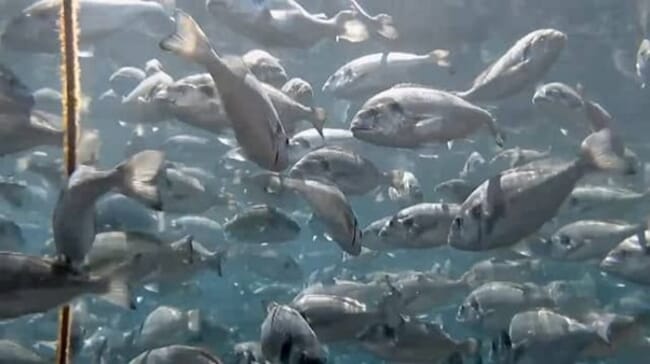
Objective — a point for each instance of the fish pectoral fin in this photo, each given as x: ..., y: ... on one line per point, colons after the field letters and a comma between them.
x: 429, y: 123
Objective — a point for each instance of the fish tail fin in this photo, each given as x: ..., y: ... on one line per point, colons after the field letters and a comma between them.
x: 386, y: 27
x: 88, y: 147
x: 319, y: 117
x: 188, y: 40
x: 194, y: 321
x: 440, y: 57
x: 604, y: 150
x: 117, y: 290
x: 350, y: 28
x: 138, y: 175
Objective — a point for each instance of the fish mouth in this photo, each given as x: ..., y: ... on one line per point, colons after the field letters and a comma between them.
x: 356, y: 127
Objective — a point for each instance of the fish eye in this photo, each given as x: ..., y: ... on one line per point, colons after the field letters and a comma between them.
x: 388, y: 331
x: 408, y: 222
x: 565, y: 240
x: 458, y: 222
x: 573, y: 201
x: 348, y: 73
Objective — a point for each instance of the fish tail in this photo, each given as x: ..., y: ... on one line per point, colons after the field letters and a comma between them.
x: 604, y: 150
x: 189, y: 40
x: 319, y: 117
x: 116, y: 290
x: 440, y: 57
x: 138, y: 175
x: 350, y: 28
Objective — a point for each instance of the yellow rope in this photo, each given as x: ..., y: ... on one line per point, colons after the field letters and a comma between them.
x: 70, y: 84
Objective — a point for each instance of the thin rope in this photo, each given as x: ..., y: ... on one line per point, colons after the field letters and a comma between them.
x: 70, y: 85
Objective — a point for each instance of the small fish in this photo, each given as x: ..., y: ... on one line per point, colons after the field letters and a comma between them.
x: 34, y: 285
x: 262, y: 224
x: 643, y: 63
x: 265, y: 67
x: 73, y: 220
x: 258, y: 128
x: 521, y: 66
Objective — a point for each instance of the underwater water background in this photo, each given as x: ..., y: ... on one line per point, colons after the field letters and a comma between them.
x: 603, y: 37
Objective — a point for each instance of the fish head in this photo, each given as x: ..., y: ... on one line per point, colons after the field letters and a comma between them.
x: 268, y: 69
x: 469, y: 311
x: 629, y: 260
x: 14, y: 95
x: 34, y: 30
x: 299, y: 90
x: 563, y: 246
x: 467, y: 228
x: 185, y: 95
x: 396, y: 228
x: 545, y: 45
x: 377, y: 119
x: 370, y: 237
x: 338, y: 81
x: 557, y: 95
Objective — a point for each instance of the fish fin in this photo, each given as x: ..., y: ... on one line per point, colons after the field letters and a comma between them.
x: 152, y: 287
x: 194, y: 321
x: 189, y: 40
x: 118, y: 291
x: 319, y: 117
x: 350, y: 28
x: 236, y: 154
x: 216, y: 259
x: 186, y: 246
x: 138, y: 175
x: 440, y: 57
x: 604, y: 150
x: 88, y: 147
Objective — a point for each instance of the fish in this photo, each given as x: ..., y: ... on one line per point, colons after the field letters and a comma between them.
x: 263, y: 261
x: 175, y: 354
x: 299, y: 90
x: 525, y: 63
x: 21, y: 132
x: 629, y: 259
x: 73, y: 218
x: 421, y: 226
x: 195, y: 101
x: 331, y: 207
x: 262, y: 224
x: 368, y: 75
x: 414, y: 341
x: 34, y: 285
x: 499, y: 212
x: 350, y: 172
x: 408, y: 116
x: 508, y: 270
x: 292, y: 27
x: 167, y: 325
x: 492, y: 306
x: 587, y: 240
x: 286, y: 337
x: 265, y: 67
x: 35, y: 30
x: 258, y: 129
x: 15, y: 96
x: 126, y: 79
x: 179, y: 192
